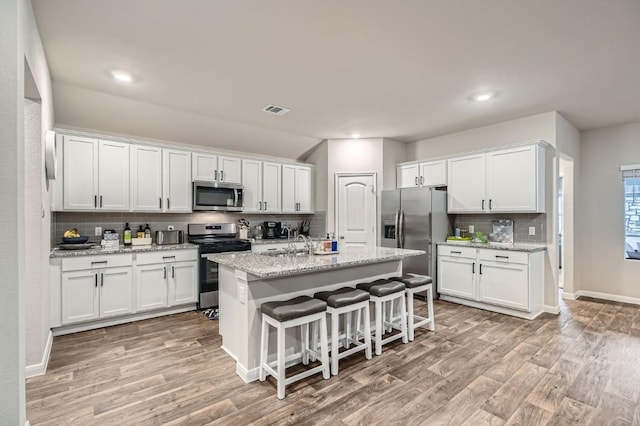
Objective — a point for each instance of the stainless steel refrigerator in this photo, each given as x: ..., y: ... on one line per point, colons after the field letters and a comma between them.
x: 415, y: 218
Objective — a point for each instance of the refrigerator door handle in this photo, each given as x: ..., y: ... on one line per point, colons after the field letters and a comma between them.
x: 402, y: 229
x: 397, y: 223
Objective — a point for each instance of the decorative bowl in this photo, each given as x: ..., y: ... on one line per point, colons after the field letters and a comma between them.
x: 75, y: 240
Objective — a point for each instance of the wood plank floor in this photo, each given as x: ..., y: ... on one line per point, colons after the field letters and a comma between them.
x: 580, y: 367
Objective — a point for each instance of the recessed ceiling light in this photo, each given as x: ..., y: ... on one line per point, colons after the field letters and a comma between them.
x: 355, y: 135
x: 483, y: 96
x: 122, y: 76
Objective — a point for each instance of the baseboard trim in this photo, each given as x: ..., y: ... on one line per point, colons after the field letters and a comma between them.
x: 608, y: 296
x: 551, y: 309
x: 41, y: 368
x: 570, y: 296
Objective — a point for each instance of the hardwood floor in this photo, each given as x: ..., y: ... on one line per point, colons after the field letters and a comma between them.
x: 580, y: 367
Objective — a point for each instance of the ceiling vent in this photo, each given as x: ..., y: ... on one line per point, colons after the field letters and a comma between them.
x: 275, y: 109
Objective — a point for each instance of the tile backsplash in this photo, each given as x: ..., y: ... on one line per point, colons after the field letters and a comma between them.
x: 521, y: 224
x: 86, y: 222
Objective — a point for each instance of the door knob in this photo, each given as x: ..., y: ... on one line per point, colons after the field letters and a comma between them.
x: 342, y: 237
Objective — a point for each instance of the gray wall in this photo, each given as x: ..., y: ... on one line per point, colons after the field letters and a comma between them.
x: 599, y: 259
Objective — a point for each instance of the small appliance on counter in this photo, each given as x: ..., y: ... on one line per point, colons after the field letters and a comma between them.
x: 169, y: 237
x: 502, y: 232
x: 305, y: 226
x: 272, y: 230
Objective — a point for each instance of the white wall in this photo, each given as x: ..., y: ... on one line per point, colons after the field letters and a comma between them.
x: 320, y: 157
x: 599, y: 242
x: 393, y: 152
x: 19, y: 41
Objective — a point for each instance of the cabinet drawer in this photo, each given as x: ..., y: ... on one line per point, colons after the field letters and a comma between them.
x: 166, y: 256
x: 455, y: 251
x: 504, y: 256
x: 96, y: 262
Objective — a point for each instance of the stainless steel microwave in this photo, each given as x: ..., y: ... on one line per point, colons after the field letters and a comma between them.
x: 217, y: 196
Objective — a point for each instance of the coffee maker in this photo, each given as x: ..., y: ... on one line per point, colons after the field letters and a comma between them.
x: 272, y: 230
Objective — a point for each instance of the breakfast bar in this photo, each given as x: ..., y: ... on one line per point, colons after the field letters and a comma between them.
x: 247, y: 280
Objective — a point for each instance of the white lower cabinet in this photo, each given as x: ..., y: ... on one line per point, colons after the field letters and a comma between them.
x: 504, y: 281
x: 96, y: 293
x: 92, y: 288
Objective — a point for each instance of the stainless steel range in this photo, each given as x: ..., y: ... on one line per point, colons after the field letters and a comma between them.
x: 213, y: 238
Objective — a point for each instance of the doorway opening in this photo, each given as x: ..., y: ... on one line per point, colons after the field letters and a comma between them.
x: 565, y: 224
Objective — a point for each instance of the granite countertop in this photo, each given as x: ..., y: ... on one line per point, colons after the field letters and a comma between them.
x: 279, y: 241
x: 270, y: 266
x: 97, y: 249
x: 530, y: 248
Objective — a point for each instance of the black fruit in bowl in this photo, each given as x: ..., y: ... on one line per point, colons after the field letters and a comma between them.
x: 75, y: 240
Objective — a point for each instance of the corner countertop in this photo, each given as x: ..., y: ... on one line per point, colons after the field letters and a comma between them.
x: 98, y: 250
x: 258, y: 242
x: 270, y: 266
x: 529, y: 248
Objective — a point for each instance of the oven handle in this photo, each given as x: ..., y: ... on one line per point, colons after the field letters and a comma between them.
x: 235, y: 198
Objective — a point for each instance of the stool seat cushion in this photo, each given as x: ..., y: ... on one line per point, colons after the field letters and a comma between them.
x: 344, y: 296
x: 382, y: 287
x: 413, y: 280
x: 297, y: 307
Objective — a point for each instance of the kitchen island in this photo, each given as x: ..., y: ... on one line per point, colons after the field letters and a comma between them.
x: 247, y: 280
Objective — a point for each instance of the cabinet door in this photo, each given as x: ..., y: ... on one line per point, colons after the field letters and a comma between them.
x: 151, y: 287
x: 146, y: 178
x: 80, y: 173
x: 116, y: 291
x: 183, y: 283
x: 271, y: 187
x: 176, y: 187
x: 303, y: 189
x: 230, y: 169
x: 252, y: 182
x: 204, y: 167
x: 113, y: 175
x: 456, y: 277
x: 505, y: 284
x: 407, y: 176
x: 433, y: 173
x: 289, y: 189
x: 79, y: 296
x: 466, y: 184
x: 512, y: 180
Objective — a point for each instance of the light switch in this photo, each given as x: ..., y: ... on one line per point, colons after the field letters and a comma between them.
x: 532, y: 230
x: 472, y: 229
x: 98, y: 231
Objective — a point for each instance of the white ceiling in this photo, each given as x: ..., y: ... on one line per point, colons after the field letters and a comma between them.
x: 399, y: 69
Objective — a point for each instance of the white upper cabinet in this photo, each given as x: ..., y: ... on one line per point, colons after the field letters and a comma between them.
x: 95, y: 174
x: 214, y: 168
x: 296, y: 189
x: 503, y: 181
x: 262, y: 186
x: 431, y: 173
x: 176, y: 185
x: 146, y: 178
x: 515, y: 180
x: 466, y: 184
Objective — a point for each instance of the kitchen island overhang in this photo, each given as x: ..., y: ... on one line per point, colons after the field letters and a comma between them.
x: 247, y: 280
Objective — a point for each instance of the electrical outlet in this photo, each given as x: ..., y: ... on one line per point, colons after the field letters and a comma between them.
x: 532, y: 230
x: 98, y: 231
x: 241, y: 295
x: 171, y: 228
x: 472, y: 229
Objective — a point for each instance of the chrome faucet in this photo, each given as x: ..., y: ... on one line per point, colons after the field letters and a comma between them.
x: 308, y: 242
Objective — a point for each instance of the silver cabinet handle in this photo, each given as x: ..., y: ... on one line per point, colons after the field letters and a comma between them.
x: 164, y: 268
x: 160, y: 201
x: 481, y: 269
x: 168, y: 204
x: 473, y: 268
x: 259, y: 205
x: 416, y: 180
x: 455, y: 252
x: 215, y: 175
x: 490, y: 204
x: 421, y: 180
x: 101, y: 280
x: 482, y: 205
x: 168, y: 257
x: 173, y: 272
x: 95, y: 201
x: 101, y: 201
x: 96, y: 276
x: 96, y: 262
x: 502, y: 257
x: 221, y: 175
x: 265, y: 206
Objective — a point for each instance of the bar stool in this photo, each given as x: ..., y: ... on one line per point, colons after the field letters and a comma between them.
x: 382, y: 292
x: 297, y: 312
x: 350, y: 302
x: 415, y: 283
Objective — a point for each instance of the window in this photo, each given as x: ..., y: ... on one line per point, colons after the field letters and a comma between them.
x: 631, y: 183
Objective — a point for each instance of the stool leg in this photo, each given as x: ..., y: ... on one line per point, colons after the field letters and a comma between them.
x: 410, y: 318
x: 367, y: 331
x: 324, y: 348
x: 432, y: 325
x: 403, y: 318
x: 379, y: 319
x: 314, y: 340
x: 281, y: 361
x: 264, y: 349
x: 357, y: 329
x: 335, y: 321
x: 304, y: 331
x: 347, y: 328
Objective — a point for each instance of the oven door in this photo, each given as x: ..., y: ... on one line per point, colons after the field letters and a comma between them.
x: 209, y: 295
x: 216, y: 196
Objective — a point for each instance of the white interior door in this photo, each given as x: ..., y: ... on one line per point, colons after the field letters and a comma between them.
x: 356, y: 210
